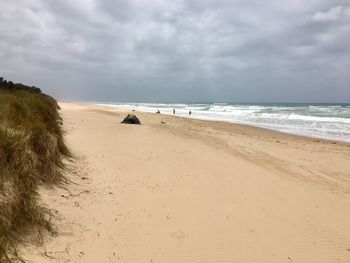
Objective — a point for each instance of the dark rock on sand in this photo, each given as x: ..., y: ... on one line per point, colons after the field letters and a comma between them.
x: 131, y: 119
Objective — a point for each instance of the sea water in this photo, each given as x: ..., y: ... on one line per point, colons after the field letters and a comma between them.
x: 327, y: 121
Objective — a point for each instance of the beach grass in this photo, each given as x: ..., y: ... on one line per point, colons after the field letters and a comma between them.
x: 32, y: 152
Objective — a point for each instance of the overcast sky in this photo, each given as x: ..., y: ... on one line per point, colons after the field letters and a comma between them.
x: 190, y: 50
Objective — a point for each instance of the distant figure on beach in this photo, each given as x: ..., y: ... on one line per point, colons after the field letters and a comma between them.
x: 189, y: 113
x: 158, y: 111
x: 173, y: 111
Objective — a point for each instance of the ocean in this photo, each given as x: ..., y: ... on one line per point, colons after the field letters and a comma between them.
x: 327, y: 121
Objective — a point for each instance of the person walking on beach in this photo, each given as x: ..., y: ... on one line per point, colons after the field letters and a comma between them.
x: 174, y: 111
x: 189, y: 113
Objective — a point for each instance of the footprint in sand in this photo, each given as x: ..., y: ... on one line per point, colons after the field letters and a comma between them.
x: 178, y: 235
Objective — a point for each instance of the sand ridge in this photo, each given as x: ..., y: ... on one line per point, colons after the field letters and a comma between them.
x: 184, y: 190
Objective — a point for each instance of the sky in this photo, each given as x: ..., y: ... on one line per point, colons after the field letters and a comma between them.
x: 179, y: 50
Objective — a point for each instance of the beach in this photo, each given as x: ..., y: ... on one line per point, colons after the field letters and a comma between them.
x: 183, y: 190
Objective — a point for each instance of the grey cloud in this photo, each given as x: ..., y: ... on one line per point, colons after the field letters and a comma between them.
x: 333, y: 14
x: 179, y: 50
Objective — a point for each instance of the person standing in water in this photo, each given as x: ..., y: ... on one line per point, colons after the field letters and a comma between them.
x: 189, y: 113
x: 173, y: 111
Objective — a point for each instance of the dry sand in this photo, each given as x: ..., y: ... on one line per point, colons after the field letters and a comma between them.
x: 196, y: 191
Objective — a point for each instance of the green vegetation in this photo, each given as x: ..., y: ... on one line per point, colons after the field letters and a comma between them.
x: 32, y: 152
x: 131, y: 119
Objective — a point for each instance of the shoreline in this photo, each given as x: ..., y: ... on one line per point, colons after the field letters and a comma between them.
x: 183, y: 190
x: 106, y: 107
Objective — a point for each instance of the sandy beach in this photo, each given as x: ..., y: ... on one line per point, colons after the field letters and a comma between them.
x: 183, y: 190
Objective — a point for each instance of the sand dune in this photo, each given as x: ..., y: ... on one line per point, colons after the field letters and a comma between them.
x: 196, y: 191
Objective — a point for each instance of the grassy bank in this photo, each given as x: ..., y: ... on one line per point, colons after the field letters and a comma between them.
x: 32, y: 152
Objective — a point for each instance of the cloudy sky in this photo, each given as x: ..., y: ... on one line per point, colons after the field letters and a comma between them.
x: 179, y: 50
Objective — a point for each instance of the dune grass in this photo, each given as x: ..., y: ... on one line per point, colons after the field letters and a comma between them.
x: 32, y: 152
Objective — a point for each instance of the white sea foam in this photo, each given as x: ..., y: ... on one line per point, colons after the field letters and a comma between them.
x: 328, y: 121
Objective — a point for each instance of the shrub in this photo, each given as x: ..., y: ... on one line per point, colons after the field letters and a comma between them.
x: 32, y: 151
